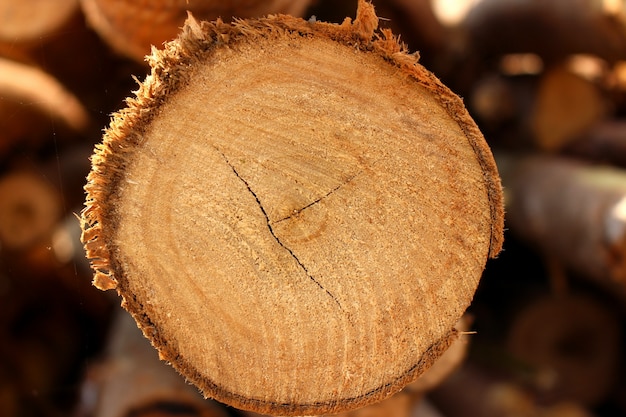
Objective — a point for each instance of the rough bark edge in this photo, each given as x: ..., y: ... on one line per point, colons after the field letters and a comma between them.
x: 170, y: 71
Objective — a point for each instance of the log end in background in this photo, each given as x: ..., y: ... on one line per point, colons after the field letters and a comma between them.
x: 131, y: 28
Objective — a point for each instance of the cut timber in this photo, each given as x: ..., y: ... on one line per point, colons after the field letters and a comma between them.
x: 573, y: 338
x: 29, y: 210
x: 472, y: 392
x: 34, y: 88
x: 30, y: 28
x: 33, y: 20
x: 131, y: 381
x: 603, y: 143
x: 572, y: 211
x: 497, y: 27
x: 73, y: 55
x: 296, y: 213
x: 567, y: 105
x: 446, y: 364
x: 404, y: 403
x: 33, y: 104
x: 131, y: 26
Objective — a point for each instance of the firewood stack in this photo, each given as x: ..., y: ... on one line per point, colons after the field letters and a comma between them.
x: 543, y: 335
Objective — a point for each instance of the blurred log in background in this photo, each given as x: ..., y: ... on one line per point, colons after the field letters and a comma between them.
x: 545, y: 81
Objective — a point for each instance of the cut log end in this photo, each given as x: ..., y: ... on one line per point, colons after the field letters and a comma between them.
x: 131, y: 28
x: 29, y: 209
x: 29, y: 21
x: 295, y: 215
x: 573, y: 339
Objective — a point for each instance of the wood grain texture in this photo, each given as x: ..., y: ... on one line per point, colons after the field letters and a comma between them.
x: 296, y: 213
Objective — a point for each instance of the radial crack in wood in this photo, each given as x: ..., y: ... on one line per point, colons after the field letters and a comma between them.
x: 269, y: 226
x: 263, y: 156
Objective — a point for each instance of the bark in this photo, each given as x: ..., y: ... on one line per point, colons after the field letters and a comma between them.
x: 417, y: 23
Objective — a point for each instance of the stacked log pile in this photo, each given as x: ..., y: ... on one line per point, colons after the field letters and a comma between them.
x: 545, y: 82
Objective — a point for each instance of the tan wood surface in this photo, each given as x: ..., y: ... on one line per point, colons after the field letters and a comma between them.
x: 296, y: 213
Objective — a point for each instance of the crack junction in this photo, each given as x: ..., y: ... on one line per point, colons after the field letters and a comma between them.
x: 271, y: 230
